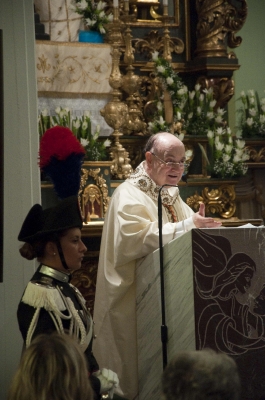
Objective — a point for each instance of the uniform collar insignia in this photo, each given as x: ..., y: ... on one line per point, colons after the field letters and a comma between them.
x: 53, y: 273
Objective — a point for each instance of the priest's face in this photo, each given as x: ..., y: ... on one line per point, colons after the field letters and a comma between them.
x: 164, y: 162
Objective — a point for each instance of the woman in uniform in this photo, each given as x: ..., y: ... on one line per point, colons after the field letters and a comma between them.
x: 50, y: 302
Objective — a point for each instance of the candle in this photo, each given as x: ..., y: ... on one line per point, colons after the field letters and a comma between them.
x: 165, y: 2
x: 116, y: 3
x: 126, y: 6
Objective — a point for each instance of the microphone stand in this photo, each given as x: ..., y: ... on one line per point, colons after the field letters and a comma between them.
x: 164, y: 335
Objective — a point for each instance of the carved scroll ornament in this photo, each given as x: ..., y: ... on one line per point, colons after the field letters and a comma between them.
x: 154, y: 42
x: 256, y: 154
x: 219, y: 201
x: 223, y: 89
x: 218, y: 22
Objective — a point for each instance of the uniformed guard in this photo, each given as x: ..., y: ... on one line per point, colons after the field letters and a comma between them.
x: 50, y: 302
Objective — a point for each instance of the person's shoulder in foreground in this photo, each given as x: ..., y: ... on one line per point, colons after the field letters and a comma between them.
x: 201, y: 375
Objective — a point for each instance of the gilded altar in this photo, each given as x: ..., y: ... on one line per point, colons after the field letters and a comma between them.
x: 116, y: 81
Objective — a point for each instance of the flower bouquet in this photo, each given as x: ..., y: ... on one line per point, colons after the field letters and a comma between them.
x: 171, y: 82
x: 198, y: 113
x: 252, y: 115
x: 227, y: 154
x: 96, y: 150
x: 193, y: 111
x: 94, y: 14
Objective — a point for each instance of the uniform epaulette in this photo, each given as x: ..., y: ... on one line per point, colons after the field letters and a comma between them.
x: 45, y: 281
x: 38, y: 294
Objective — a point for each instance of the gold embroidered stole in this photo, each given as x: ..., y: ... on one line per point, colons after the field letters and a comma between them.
x: 172, y: 212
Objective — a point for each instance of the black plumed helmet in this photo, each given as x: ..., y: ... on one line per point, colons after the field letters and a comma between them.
x: 39, y: 223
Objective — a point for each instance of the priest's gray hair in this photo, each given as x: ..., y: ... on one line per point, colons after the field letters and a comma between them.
x: 151, y: 143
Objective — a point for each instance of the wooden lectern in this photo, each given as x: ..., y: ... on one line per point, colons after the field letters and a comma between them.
x: 214, y: 297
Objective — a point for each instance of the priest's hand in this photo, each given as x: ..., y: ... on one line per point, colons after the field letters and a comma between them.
x: 200, y: 221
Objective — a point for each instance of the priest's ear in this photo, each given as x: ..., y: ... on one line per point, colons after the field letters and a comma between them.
x: 148, y: 157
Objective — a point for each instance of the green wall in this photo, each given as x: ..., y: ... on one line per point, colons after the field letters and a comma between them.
x: 251, y: 57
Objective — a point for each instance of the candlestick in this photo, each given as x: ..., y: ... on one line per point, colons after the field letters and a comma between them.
x: 116, y: 3
x: 165, y: 12
x: 126, y: 6
x: 165, y: 2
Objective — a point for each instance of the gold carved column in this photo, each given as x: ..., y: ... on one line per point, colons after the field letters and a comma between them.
x: 217, y: 26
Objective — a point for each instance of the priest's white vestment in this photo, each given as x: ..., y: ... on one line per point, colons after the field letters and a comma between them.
x: 130, y: 232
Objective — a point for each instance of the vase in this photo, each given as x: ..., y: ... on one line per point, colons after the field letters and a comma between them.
x: 88, y: 36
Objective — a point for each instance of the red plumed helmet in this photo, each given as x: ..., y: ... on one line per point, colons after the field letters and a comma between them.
x: 60, y: 158
x: 58, y: 142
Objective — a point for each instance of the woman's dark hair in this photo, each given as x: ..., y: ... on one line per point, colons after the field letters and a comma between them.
x: 37, y: 249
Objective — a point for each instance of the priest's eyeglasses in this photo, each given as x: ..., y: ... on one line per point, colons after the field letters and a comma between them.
x: 170, y: 164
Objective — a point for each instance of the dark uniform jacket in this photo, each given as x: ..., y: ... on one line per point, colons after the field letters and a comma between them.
x: 50, y: 303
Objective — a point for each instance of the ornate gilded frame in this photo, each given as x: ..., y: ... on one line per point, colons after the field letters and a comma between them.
x: 94, y: 176
x: 156, y: 23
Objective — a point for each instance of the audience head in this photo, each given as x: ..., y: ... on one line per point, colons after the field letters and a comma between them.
x: 161, y: 149
x: 201, y: 375
x: 53, y: 367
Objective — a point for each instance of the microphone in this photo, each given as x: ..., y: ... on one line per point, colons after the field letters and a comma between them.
x: 164, y: 335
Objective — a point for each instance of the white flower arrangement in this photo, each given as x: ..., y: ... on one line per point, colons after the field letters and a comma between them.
x: 96, y: 150
x: 195, y: 113
x: 252, y: 114
x: 193, y: 109
x: 228, y: 154
x: 171, y: 82
x: 93, y: 13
